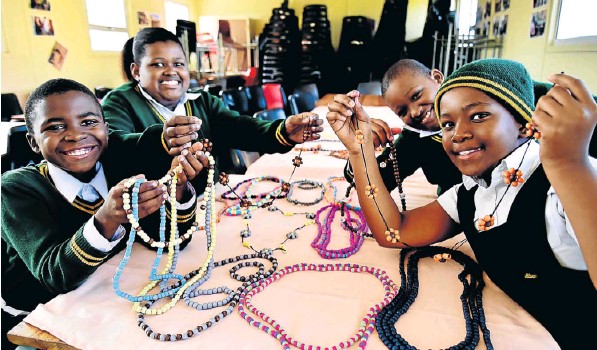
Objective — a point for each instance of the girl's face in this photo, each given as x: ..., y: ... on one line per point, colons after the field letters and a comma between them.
x: 163, y: 72
x: 411, y: 97
x: 478, y: 132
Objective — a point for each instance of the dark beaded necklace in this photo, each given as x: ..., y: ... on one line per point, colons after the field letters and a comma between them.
x: 471, y: 297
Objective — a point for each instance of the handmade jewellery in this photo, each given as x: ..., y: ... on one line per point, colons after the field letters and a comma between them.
x: 305, y: 185
x: 356, y: 226
x: 471, y: 297
x: 260, y: 320
x: 392, y: 235
x: 512, y: 177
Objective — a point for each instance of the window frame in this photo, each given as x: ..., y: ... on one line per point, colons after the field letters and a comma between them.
x: 109, y: 29
x: 577, y: 44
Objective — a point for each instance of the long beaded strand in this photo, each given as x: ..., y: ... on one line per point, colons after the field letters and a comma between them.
x: 260, y: 320
x: 471, y: 297
x: 355, y: 226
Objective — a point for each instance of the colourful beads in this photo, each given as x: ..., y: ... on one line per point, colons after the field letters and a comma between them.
x: 359, y: 136
x: 513, y: 177
x: 485, y: 222
x: 531, y: 131
x: 260, y: 320
x: 371, y: 191
x: 392, y: 235
x: 355, y: 226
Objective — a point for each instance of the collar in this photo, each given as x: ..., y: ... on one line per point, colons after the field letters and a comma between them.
x: 422, y: 133
x: 69, y: 187
x: 530, y: 162
x: 164, y: 111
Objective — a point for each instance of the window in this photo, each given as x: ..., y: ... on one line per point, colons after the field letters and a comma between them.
x: 173, y: 12
x: 107, y: 24
x: 576, y: 22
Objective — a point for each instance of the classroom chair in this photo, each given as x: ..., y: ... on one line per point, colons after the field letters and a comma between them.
x: 270, y: 114
x: 18, y: 151
x: 370, y: 88
x: 256, y: 99
x: 236, y: 100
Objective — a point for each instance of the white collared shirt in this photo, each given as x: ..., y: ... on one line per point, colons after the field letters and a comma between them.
x: 560, y: 234
x: 422, y: 133
x: 166, y: 112
x: 69, y: 187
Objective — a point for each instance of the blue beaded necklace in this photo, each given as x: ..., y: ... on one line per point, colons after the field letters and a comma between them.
x: 471, y: 297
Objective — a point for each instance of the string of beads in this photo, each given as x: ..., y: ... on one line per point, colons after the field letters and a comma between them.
x: 260, y: 320
x: 471, y: 298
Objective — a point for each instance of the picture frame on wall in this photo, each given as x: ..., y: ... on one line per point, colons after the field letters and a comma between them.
x: 42, y: 26
x: 40, y: 5
x: 539, y: 3
x: 538, y: 21
x: 58, y: 55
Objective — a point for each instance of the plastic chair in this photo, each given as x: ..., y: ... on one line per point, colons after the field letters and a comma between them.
x: 256, y: 99
x: 370, y: 88
x: 301, y: 102
x: 308, y: 88
x: 270, y: 114
x: 235, y: 81
x: 236, y: 100
x: 18, y: 151
x: 274, y: 96
x: 215, y: 90
x: 101, y: 92
x: 10, y: 106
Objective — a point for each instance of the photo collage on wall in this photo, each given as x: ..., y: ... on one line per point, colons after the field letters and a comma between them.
x: 42, y: 25
x: 500, y: 19
x: 538, y: 18
x: 146, y: 20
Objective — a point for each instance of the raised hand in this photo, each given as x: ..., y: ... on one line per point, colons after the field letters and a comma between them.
x: 566, y: 117
x: 297, y: 124
x: 346, y: 114
x: 180, y: 132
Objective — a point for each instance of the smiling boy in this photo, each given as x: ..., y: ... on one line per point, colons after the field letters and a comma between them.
x: 64, y: 217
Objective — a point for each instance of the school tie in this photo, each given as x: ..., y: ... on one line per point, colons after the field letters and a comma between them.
x: 88, y: 193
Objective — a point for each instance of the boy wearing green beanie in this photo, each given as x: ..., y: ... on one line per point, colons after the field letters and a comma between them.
x: 534, y: 199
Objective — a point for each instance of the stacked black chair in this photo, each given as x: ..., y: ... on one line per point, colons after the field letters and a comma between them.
x: 18, y: 151
x: 354, y: 51
x: 215, y: 90
x: 236, y: 100
x: 10, y: 106
x: 310, y: 89
x: 279, y: 45
x: 370, y: 87
x: 387, y: 46
x: 317, y: 50
x: 256, y: 99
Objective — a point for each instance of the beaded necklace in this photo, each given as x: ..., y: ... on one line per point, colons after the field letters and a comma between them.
x: 305, y: 185
x: 356, y: 227
x: 471, y: 297
x: 260, y: 320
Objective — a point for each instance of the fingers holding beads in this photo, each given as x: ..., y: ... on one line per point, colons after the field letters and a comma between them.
x: 180, y: 132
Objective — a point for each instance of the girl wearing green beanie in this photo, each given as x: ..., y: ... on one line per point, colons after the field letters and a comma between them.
x: 526, y: 208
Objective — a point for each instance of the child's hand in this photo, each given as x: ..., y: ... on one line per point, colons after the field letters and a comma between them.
x: 382, y: 133
x: 566, y: 117
x: 191, y: 161
x: 296, y: 124
x: 180, y: 132
x: 112, y: 214
x: 342, y: 121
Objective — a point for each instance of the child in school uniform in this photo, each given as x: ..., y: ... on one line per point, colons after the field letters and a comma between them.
x: 526, y: 207
x: 409, y: 88
x: 64, y: 217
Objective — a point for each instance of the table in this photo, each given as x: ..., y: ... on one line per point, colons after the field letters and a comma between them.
x: 316, y: 308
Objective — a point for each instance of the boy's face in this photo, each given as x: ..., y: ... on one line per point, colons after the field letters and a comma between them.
x: 478, y: 132
x: 411, y: 96
x: 69, y: 132
x: 163, y: 72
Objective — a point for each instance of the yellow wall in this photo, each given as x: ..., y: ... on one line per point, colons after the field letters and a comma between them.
x: 25, y: 56
x: 541, y: 57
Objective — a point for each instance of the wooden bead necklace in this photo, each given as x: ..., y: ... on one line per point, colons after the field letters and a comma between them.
x: 471, y: 297
x: 260, y: 320
x: 512, y: 177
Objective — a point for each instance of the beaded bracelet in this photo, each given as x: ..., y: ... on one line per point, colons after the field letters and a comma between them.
x: 260, y: 320
x: 305, y: 185
x: 471, y: 297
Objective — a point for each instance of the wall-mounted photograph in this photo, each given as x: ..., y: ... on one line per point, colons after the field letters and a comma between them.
x: 142, y: 18
x: 42, y: 26
x: 538, y: 20
x: 57, y: 56
x: 505, y: 4
x: 537, y: 3
x: 40, y: 5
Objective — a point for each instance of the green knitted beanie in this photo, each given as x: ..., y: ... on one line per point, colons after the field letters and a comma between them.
x: 508, y: 82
